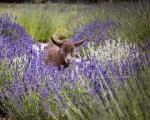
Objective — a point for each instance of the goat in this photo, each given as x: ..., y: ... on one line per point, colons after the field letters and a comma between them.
x: 60, y: 53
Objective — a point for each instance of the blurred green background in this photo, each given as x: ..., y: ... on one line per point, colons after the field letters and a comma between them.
x: 44, y: 18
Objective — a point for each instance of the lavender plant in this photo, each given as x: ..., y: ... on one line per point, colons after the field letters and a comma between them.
x: 14, y: 40
x: 95, y: 87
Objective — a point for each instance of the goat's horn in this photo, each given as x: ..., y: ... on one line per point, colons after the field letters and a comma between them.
x: 76, y: 44
x: 56, y: 42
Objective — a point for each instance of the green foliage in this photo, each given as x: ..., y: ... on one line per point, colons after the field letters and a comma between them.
x: 37, y: 23
x: 42, y: 21
x: 61, y: 20
x: 5, y: 73
x: 134, y: 26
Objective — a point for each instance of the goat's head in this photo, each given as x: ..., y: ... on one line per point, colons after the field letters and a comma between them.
x: 67, y: 48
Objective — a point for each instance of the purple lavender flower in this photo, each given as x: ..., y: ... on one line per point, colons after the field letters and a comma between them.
x: 96, y: 32
x: 14, y: 41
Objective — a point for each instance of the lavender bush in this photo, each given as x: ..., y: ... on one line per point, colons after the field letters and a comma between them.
x: 100, y: 85
x: 14, y: 40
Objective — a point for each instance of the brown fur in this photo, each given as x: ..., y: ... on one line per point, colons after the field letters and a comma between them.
x: 56, y: 53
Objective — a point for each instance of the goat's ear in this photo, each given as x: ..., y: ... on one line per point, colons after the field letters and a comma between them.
x: 56, y: 42
x: 76, y: 44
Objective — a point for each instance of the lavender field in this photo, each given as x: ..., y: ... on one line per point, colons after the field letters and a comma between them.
x: 109, y: 80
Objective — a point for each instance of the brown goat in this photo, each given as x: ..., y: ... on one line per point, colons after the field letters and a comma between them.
x: 60, y: 53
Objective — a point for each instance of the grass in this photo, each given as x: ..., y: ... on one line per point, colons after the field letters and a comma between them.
x: 61, y: 20
x: 37, y: 23
x: 134, y: 24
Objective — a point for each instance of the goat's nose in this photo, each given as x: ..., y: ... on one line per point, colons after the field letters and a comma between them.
x: 68, y: 60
